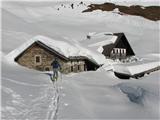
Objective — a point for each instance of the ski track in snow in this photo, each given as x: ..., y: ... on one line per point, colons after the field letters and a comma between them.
x: 19, y: 108
x: 22, y: 83
x: 53, y: 107
x: 32, y: 110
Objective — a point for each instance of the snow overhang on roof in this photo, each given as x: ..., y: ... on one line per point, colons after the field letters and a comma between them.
x: 63, y: 48
x: 103, y: 38
x: 136, y: 68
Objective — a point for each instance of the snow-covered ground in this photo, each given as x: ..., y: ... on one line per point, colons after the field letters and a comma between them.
x: 100, y: 95
x: 29, y: 94
x: 26, y: 94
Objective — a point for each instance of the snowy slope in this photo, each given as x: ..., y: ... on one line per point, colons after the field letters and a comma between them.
x: 63, y: 22
x: 99, y: 95
x: 28, y: 94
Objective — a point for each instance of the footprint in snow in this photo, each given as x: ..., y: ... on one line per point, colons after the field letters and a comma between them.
x: 65, y: 104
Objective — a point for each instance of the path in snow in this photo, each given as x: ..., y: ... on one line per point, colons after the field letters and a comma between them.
x: 27, y: 94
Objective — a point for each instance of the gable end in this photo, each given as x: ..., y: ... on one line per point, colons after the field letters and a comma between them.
x: 121, y: 42
x: 43, y: 46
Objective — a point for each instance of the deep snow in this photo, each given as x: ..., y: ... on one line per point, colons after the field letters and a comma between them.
x: 100, y: 95
x: 26, y: 94
x: 29, y: 94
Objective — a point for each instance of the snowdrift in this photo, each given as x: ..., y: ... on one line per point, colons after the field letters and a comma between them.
x: 148, y: 63
x: 103, y: 96
x: 26, y: 94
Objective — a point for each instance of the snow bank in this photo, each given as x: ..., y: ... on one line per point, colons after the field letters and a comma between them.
x: 146, y: 64
x: 152, y: 56
x: 107, y: 97
x: 74, y: 24
x: 62, y: 47
x: 26, y: 94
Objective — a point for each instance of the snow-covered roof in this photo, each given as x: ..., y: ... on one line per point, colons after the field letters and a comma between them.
x: 98, y: 40
x: 106, y: 40
x: 103, y: 38
x: 137, y: 67
x: 61, y: 47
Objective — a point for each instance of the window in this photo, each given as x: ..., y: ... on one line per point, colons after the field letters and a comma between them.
x: 71, y: 68
x: 122, y: 51
x: 78, y: 67
x: 37, y: 59
x: 72, y: 62
x: 112, y: 52
x: 47, y: 69
x: 115, y: 50
x: 118, y: 50
x: 85, y: 67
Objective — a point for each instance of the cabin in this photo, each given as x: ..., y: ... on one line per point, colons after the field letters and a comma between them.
x: 120, y: 49
x: 39, y: 55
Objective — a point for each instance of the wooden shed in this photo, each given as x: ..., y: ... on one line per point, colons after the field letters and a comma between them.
x: 39, y: 56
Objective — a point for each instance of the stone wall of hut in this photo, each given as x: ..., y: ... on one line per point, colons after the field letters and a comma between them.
x: 74, y: 66
x: 28, y: 57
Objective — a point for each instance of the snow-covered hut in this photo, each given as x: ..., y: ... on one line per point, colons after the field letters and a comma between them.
x: 39, y: 52
x: 112, y: 45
